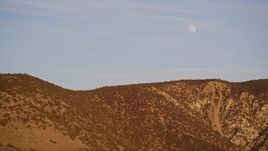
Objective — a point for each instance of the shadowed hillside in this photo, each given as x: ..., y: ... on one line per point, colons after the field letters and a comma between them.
x: 178, y: 115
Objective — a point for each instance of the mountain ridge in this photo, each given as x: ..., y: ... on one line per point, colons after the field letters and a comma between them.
x: 175, y: 115
x: 142, y: 83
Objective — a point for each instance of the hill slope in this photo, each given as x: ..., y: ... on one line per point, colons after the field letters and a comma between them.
x: 177, y: 115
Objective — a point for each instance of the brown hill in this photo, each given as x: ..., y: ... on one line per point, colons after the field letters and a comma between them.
x: 179, y: 115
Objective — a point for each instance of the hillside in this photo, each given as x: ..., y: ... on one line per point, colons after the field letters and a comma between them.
x: 178, y: 115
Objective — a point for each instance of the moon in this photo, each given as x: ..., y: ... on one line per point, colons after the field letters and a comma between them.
x: 192, y: 28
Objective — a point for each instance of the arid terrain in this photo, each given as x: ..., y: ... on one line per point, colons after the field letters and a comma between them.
x: 184, y: 115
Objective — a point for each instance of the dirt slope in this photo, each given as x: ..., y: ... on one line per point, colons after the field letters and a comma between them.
x: 178, y: 115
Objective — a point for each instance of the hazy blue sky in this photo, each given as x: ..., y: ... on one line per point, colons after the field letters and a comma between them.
x: 82, y: 44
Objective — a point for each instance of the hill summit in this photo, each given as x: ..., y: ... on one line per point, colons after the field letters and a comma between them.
x: 178, y: 115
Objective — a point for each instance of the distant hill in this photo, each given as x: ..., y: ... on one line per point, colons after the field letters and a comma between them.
x: 186, y: 115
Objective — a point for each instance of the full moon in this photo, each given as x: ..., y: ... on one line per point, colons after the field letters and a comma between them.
x: 192, y: 28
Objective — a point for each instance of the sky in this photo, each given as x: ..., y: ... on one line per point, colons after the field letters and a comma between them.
x: 86, y: 44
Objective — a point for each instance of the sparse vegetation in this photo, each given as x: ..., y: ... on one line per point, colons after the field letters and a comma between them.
x: 176, y: 115
x: 52, y: 141
x: 3, y: 122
